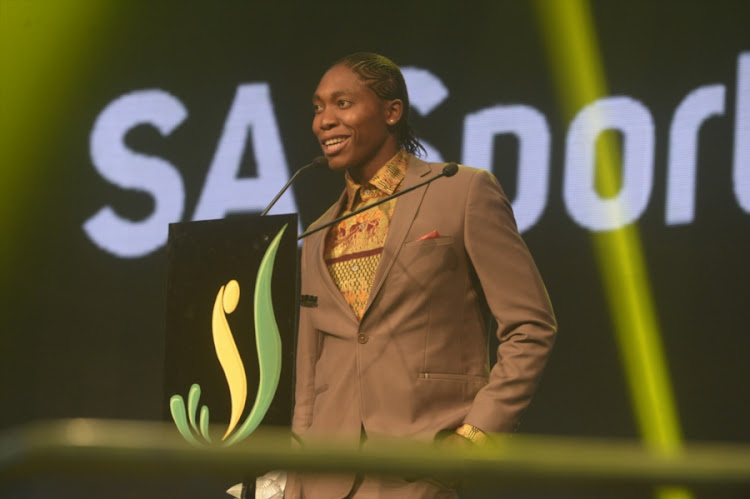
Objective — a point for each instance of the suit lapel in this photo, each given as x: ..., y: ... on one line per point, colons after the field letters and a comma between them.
x: 317, y: 247
x: 403, y: 216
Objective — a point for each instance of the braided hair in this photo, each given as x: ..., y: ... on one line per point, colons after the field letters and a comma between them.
x: 384, y: 78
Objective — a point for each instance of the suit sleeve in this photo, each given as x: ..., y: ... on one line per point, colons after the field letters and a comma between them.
x: 517, y: 299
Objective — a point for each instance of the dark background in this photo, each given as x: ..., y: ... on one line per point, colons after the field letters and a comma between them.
x: 82, y: 330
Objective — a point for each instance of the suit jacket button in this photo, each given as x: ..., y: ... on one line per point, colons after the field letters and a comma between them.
x: 362, y: 338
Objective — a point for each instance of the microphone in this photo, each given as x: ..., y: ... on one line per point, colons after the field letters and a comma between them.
x: 448, y: 171
x: 318, y: 163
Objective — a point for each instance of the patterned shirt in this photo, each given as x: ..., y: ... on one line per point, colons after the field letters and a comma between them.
x: 353, y: 246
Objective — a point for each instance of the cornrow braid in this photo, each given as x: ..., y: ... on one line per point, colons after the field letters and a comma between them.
x: 384, y: 78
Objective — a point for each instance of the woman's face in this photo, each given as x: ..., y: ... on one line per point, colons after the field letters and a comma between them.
x: 351, y: 123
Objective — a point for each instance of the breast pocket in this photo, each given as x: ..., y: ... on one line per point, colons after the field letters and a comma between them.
x: 426, y: 243
x: 423, y: 261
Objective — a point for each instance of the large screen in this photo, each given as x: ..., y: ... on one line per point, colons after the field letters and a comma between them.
x: 122, y: 117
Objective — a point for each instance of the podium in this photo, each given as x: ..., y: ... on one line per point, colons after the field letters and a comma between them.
x: 231, y: 317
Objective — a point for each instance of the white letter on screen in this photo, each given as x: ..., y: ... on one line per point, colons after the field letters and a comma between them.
x: 699, y: 105
x: 741, y: 173
x: 224, y: 192
x: 132, y: 170
x: 584, y: 203
x: 530, y: 127
x: 426, y: 92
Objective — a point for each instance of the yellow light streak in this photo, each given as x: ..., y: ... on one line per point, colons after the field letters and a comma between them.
x: 576, y: 63
x: 44, y: 47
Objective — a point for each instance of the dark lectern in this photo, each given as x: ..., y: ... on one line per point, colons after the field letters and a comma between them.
x: 231, y: 315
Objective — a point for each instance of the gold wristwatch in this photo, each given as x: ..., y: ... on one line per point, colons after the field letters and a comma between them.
x: 472, y: 433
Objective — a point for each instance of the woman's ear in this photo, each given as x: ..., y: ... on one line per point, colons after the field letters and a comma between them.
x: 394, y: 110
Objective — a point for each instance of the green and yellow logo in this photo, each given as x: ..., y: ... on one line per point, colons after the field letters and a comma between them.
x: 268, y: 342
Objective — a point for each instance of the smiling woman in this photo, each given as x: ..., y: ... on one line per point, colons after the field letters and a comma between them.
x: 362, y: 114
x: 398, y: 328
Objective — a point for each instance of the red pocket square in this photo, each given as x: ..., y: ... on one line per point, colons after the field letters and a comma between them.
x: 432, y: 235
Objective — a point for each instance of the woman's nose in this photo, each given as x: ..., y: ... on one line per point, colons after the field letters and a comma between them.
x: 326, y: 119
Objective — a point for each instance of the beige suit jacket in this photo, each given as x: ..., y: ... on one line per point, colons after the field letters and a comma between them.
x: 417, y: 363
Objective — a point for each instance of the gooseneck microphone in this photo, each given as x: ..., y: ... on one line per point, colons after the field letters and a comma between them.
x: 448, y: 171
x: 318, y: 163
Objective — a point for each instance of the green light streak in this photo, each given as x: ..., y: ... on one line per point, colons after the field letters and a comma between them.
x: 577, y: 65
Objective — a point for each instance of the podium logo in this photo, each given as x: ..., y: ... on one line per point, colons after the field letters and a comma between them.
x: 268, y: 343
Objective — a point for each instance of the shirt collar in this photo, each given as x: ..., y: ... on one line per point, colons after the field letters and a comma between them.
x: 386, y: 180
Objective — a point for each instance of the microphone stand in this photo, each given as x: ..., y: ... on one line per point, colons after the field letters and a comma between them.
x: 319, y: 162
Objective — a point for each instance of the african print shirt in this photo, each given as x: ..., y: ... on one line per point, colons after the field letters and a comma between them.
x: 353, y: 246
